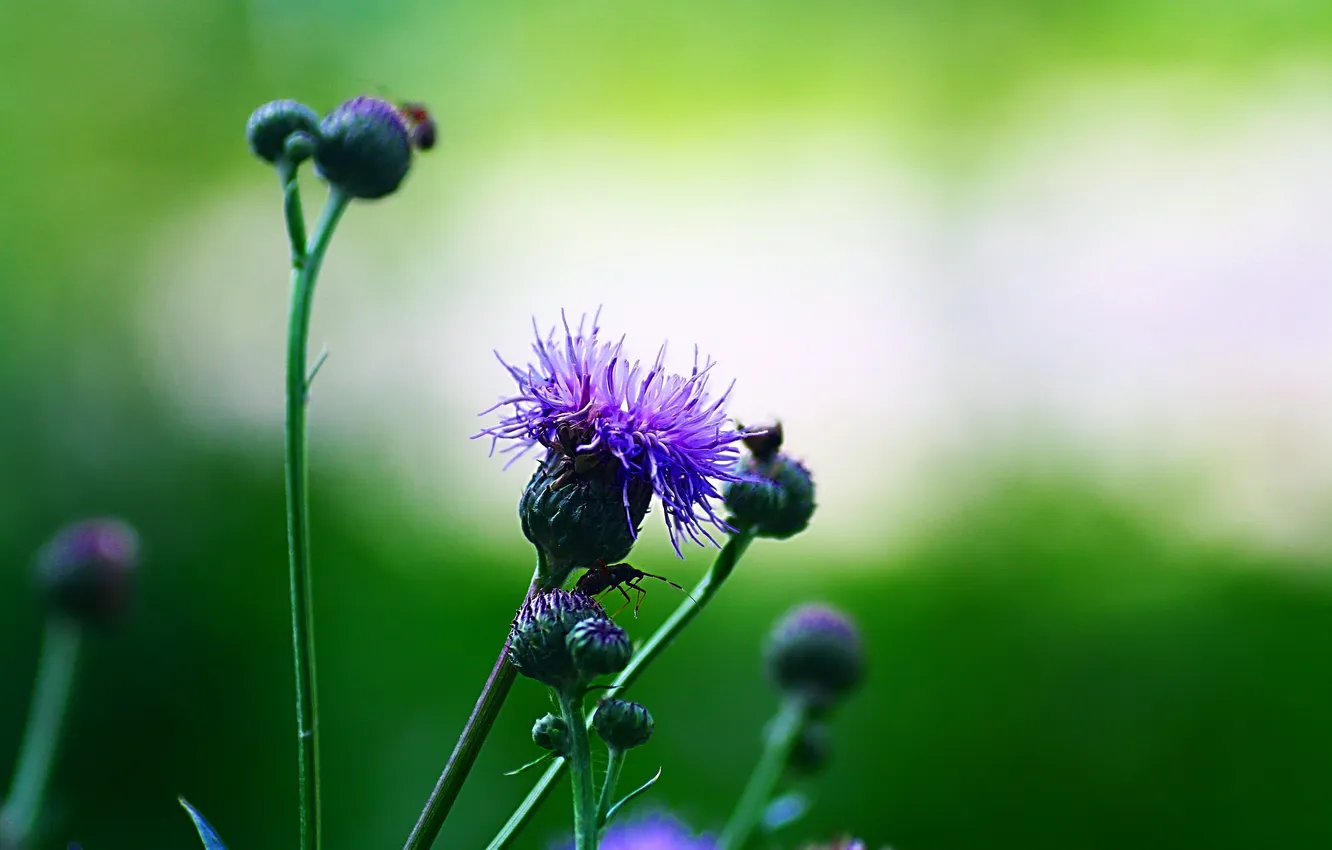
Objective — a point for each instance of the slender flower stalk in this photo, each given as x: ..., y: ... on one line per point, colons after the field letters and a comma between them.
x: 37, y: 752
x: 304, y: 274
x: 580, y: 761
x: 780, y: 741
x: 706, y: 589
x: 464, y: 754
x: 614, y: 763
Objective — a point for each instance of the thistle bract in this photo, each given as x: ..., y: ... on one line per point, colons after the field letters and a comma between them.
x: 538, y: 644
x: 621, y: 426
x: 87, y: 570
x: 363, y: 148
x: 814, y: 653
x: 271, y: 125
x: 599, y: 647
x: 773, y: 493
x: 550, y: 733
x: 623, y: 725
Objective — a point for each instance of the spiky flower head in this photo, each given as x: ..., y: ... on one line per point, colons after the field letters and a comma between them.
x: 551, y: 733
x: 619, y: 423
x: 814, y: 653
x: 654, y: 832
x: 622, y: 724
x: 773, y: 493
x: 538, y: 643
x: 599, y: 647
x: 364, y: 148
x: 86, y: 572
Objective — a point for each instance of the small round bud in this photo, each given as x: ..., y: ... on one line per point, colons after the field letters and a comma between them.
x: 299, y: 147
x: 813, y: 748
x: 273, y: 123
x: 814, y: 653
x: 538, y: 644
x: 623, y: 725
x: 599, y: 648
x: 550, y: 733
x: 775, y: 493
x: 364, y: 149
x: 576, y: 513
x: 86, y: 572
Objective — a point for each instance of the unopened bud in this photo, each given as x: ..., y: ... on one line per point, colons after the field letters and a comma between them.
x: 271, y: 125
x: 623, y: 725
x: 364, y: 148
x: 86, y: 572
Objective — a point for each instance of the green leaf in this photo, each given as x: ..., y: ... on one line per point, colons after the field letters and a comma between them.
x: 533, y: 763
x: 610, y: 815
x: 207, y: 834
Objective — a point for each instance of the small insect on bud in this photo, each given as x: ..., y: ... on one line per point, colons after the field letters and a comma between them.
x: 364, y: 148
x: 814, y: 653
x: 538, y: 644
x: 550, y: 733
x: 86, y: 572
x: 775, y: 492
x: 813, y: 748
x: 599, y: 648
x: 623, y: 725
x: 577, y: 516
x: 423, y: 129
x: 273, y: 123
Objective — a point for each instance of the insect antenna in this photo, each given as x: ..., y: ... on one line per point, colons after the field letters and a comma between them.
x: 672, y: 584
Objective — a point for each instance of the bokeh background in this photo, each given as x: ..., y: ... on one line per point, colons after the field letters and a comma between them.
x: 1042, y: 291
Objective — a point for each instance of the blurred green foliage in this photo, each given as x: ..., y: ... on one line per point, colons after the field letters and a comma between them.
x: 1051, y: 668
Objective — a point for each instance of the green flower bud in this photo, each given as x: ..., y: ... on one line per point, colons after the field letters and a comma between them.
x: 538, y: 644
x: 623, y: 725
x: 86, y: 572
x: 599, y: 648
x: 273, y: 123
x: 775, y: 493
x: 299, y: 147
x: 814, y: 653
x: 576, y: 514
x: 813, y: 748
x: 551, y: 733
x: 364, y: 148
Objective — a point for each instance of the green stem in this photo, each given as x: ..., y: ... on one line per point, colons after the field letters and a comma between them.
x: 781, y: 738
x: 580, y: 762
x: 291, y: 210
x: 706, y: 589
x: 469, y: 744
x: 50, y: 695
x: 304, y: 273
x: 614, y: 762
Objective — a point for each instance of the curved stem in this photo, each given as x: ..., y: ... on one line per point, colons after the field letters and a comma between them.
x: 781, y: 738
x: 706, y: 589
x: 580, y: 770
x: 464, y: 754
x: 304, y: 273
x: 50, y: 695
x: 614, y: 762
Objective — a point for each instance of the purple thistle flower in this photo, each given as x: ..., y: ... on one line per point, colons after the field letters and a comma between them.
x: 654, y: 832
x: 585, y: 400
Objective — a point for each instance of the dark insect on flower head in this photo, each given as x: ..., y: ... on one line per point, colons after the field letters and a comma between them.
x: 602, y: 417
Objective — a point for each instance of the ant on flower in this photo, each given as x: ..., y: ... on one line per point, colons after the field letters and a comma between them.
x: 602, y: 577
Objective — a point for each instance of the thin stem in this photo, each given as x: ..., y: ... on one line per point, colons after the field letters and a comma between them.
x: 781, y: 738
x: 291, y: 210
x: 469, y: 744
x: 614, y: 763
x: 706, y: 589
x: 580, y: 762
x: 305, y: 271
x: 37, y: 751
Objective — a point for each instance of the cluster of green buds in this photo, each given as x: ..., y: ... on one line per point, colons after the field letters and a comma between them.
x: 363, y: 147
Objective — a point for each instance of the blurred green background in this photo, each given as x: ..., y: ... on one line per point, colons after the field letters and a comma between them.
x: 1039, y: 288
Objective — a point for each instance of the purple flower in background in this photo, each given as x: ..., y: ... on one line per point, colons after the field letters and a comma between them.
x: 654, y: 832
x: 584, y: 400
